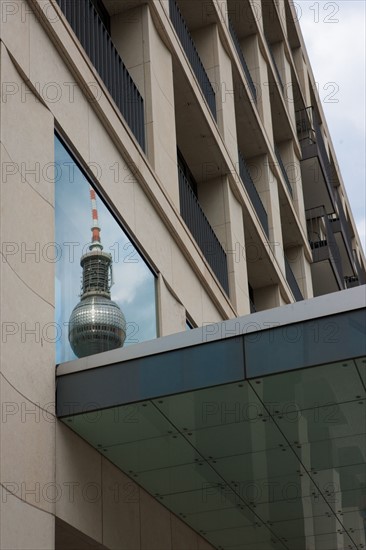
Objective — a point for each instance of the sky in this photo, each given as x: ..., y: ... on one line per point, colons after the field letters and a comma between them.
x: 334, y: 34
x: 134, y: 283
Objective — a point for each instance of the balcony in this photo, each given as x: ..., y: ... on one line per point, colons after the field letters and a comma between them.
x: 192, y: 54
x: 279, y: 79
x: 97, y: 43
x: 202, y: 231
x: 351, y: 281
x: 361, y: 274
x: 244, y: 65
x: 342, y: 233
x: 283, y: 170
x: 291, y: 279
x: 253, y: 309
x: 316, y: 168
x: 253, y: 193
x: 327, y: 271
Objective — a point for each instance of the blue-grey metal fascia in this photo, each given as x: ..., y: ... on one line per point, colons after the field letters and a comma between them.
x: 168, y: 373
x: 302, y: 345
x: 321, y: 330
x: 310, y: 309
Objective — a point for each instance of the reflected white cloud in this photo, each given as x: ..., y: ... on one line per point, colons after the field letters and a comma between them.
x: 134, y: 283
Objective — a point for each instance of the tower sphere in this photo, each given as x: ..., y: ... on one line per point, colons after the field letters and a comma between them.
x: 96, y: 323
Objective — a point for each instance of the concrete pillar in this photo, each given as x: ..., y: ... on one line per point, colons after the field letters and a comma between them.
x: 225, y: 215
x: 267, y: 297
x: 150, y: 64
x: 301, y: 269
x: 286, y: 76
x: 293, y: 170
x: 219, y: 70
x: 256, y: 6
x: 267, y: 187
x: 223, y: 8
x: 325, y: 139
x: 258, y: 69
x: 171, y: 313
x: 282, y: 13
x: 302, y: 74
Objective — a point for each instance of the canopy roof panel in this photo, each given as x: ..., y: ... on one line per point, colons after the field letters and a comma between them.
x: 256, y: 439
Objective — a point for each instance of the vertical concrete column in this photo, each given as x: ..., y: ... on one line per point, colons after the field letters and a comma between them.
x: 256, y: 6
x: 302, y: 74
x: 285, y: 72
x: 282, y: 13
x: 218, y: 67
x: 267, y: 297
x: 172, y: 314
x: 150, y: 64
x: 210, y: 9
x: 325, y: 139
x: 225, y: 215
x: 293, y: 170
x: 222, y: 6
x: 258, y: 69
x: 267, y: 187
x: 301, y: 269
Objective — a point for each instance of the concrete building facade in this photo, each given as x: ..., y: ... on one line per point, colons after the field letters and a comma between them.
x: 199, y: 126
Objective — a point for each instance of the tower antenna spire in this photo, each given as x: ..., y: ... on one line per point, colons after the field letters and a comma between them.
x: 96, y: 241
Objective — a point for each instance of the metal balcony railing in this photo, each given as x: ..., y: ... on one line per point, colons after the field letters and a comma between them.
x: 275, y: 66
x: 351, y: 281
x: 192, y: 54
x: 291, y: 279
x: 253, y: 193
x: 320, y: 235
x: 242, y: 61
x: 360, y: 270
x: 345, y: 228
x: 97, y: 43
x: 305, y: 125
x: 202, y: 231
x: 323, y: 151
x: 283, y: 170
x: 309, y: 131
x: 253, y: 309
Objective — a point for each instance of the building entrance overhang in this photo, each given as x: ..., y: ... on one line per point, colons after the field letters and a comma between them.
x: 253, y: 430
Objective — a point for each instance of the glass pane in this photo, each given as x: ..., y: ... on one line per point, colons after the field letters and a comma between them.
x: 120, y: 425
x: 114, y: 277
x: 361, y: 366
x: 287, y: 393
x: 234, y: 466
x: 189, y: 477
x: 223, y: 518
x: 217, y: 406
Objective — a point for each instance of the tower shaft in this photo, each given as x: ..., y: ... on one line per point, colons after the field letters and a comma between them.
x: 96, y: 323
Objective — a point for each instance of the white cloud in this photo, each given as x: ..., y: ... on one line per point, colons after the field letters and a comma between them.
x: 334, y: 34
x: 131, y: 276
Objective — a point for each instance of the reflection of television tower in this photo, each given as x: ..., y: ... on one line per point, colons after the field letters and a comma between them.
x: 96, y: 323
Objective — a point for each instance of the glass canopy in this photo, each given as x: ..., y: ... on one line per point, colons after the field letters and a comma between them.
x: 272, y: 457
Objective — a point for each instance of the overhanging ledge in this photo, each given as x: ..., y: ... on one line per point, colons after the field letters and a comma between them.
x: 317, y: 331
x: 252, y: 431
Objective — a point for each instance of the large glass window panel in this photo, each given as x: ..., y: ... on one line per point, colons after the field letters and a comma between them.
x: 127, y: 278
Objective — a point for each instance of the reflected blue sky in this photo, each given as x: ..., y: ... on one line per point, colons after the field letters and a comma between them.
x: 134, y: 283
